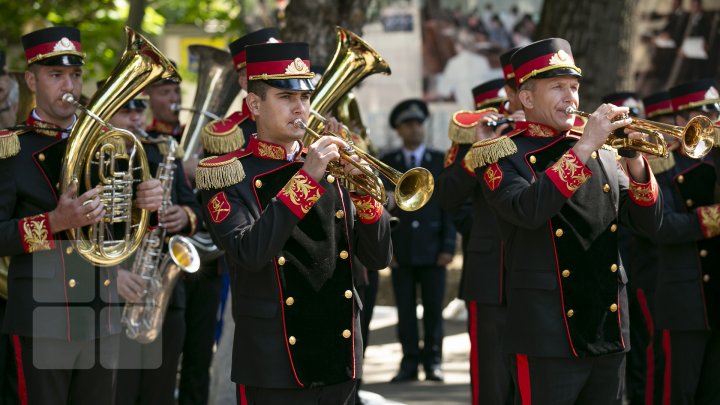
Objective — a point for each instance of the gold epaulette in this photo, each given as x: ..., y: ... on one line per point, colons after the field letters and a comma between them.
x: 225, y: 135
x: 9, y: 143
x: 219, y: 171
x: 489, y: 151
x: 462, y: 125
x: 659, y: 165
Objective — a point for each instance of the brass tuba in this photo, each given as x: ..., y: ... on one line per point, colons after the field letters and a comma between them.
x: 353, y: 60
x: 116, y: 158
x: 216, y: 89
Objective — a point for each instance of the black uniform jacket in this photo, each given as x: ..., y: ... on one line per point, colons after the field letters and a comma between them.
x: 483, y: 272
x: 421, y: 235
x: 559, y: 219
x: 688, y: 289
x: 289, y: 241
x: 180, y: 194
x: 53, y: 292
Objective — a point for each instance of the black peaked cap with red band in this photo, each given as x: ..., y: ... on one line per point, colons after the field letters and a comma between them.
x: 542, y: 59
x: 237, y: 47
x: 698, y: 95
x: 284, y: 65
x: 489, y: 94
x: 505, y: 61
x: 54, y: 46
x: 658, y: 104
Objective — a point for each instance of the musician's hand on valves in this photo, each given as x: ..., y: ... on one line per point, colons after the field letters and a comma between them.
x: 174, y: 218
x: 636, y: 164
x: 352, y: 170
x: 601, y: 123
x: 149, y: 195
x: 131, y: 287
x: 74, y: 212
x: 483, y: 131
x: 320, y: 153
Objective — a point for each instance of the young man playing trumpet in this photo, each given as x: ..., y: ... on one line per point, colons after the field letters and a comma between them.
x: 289, y: 230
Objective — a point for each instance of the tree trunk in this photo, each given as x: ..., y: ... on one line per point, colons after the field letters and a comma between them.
x: 314, y: 21
x: 601, y: 34
x: 136, y: 14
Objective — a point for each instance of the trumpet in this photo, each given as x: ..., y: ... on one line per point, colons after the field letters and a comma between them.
x: 413, y: 188
x: 697, y: 136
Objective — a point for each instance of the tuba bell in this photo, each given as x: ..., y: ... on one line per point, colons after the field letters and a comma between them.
x: 114, y: 159
x: 216, y: 89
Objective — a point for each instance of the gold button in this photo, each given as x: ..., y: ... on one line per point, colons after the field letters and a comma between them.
x: 258, y: 183
x: 706, y: 278
x: 330, y: 178
x: 533, y: 159
x: 72, y: 283
x: 703, y: 253
x: 344, y: 254
x: 570, y: 313
x: 566, y: 273
x: 606, y: 188
x: 41, y: 157
x: 292, y: 340
x: 593, y: 155
x: 613, y: 268
x: 559, y: 232
x: 339, y: 214
x: 613, y: 228
x: 69, y: 250
x: 613, y: 308
x: 281, y: 261
x: 347, y: 334
x: 289, y: 301
x: 348, y: 294
x: 106, y: 282
x: 681, y: 179
x: 689, y: 202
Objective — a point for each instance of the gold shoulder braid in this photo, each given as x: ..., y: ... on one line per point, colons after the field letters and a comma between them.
x: 659, y: 165
x: 9, y: 143
x: 489, y: 151
x: 222, y: 136
x: 462, y: 125
x: 219, y: 172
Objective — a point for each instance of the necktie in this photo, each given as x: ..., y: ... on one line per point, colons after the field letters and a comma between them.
x: 413, y: 161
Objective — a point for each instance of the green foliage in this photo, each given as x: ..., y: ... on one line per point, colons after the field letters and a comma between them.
x: 101, y: 24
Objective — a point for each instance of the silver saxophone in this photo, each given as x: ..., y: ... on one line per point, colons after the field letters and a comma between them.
x: 143, y: 320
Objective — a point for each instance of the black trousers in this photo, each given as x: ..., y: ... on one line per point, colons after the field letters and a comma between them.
x: 568, y: 381
x: 147, y: 373
x: 202, y: 292
x: 337, y: 394
x: 58, y: 372
x: 692, y: 366
x: 490, y: 379
x: 8, y: 370
x: 637, y: 358
x: 432, y: 280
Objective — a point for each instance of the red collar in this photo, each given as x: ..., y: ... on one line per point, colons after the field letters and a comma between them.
x: 44, y: 128
x: 164, y: 128
x: 536, y: 130
x: 266, y: 150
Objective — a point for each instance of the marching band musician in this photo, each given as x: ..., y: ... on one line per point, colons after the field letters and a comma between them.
x: 59, y: 311
x: 688, y: 287
x: 231, y: 133
x: 147, y: 373
x: 482, y: 283
x: 164, y: 96
x: 558, y: 200
x: 289, y: 231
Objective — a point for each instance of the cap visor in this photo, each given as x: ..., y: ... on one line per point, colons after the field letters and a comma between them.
x: 292, y: 84
x: 558, y: 72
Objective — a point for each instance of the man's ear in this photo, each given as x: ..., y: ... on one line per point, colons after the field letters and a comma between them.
x: 30, y: 81
x: 526, y: 98
x: 253, y: 101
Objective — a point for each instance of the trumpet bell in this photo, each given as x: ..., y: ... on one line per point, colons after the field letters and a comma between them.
x: 414, y: 189
x: 698, y: 137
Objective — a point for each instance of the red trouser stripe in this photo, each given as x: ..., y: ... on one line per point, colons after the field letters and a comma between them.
x: 649, y: 350
x: 242, y: 398
x: 667, y: 388
x: 523, y: 378
x: 22, y: 386
x: 474, y: 367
